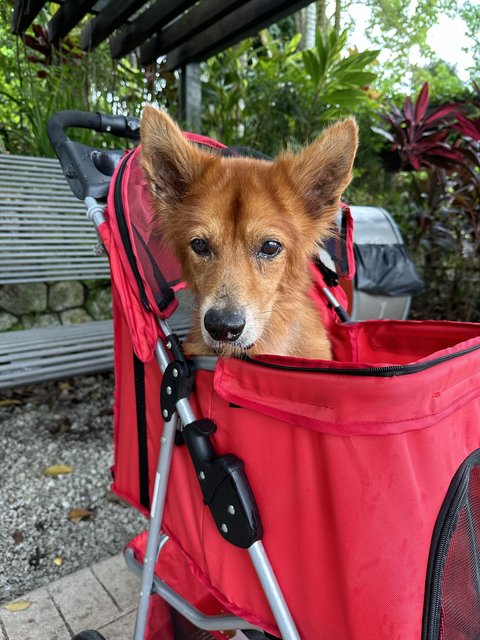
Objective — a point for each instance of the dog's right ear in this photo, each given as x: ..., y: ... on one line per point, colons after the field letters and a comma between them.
x: 171, y: 163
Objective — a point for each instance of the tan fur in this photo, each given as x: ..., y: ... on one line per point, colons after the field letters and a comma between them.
x: 236, y: 205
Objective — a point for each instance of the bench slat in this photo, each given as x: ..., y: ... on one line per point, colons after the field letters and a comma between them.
x: 46, y: 237
x: 92, y: 364
x: 51, y: 335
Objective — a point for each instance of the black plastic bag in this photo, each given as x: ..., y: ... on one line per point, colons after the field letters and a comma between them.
x: 385, y: 269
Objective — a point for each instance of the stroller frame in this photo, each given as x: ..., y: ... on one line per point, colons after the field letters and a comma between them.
x: 411, y: 460
x: 181, y: 418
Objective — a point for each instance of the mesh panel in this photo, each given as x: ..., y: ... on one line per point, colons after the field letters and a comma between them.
x: 454, y: 611
x: 157, y: 262
x: 460, y: 608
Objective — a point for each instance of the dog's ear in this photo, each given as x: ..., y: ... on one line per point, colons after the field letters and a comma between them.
x: 322, y: 171
x: 171, y: 163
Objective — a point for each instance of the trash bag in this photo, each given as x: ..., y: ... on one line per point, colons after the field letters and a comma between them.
x: 385, y: 269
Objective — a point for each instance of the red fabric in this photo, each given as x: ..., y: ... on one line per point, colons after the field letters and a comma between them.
x: 203, y: 140
x: 349, y: 473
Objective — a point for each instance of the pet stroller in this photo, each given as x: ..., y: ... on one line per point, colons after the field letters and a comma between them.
x: 365, y: 469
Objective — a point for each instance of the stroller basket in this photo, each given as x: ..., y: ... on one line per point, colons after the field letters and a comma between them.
x: 365, y: 469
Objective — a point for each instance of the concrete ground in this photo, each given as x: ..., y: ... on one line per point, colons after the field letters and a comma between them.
x: 102, y: 597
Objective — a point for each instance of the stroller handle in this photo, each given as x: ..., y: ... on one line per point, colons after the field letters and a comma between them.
x: 88, y: 171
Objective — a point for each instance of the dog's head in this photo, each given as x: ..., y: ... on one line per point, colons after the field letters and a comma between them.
x: 243, y: 229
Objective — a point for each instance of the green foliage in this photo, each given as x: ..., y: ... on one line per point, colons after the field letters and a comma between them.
x: 39, y: 79
x: 339, y: 83
x: 265, y: 92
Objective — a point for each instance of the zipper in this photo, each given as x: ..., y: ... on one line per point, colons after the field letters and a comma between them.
x: 380, y: 372
x: 122, y: 227
x: 442, y: 536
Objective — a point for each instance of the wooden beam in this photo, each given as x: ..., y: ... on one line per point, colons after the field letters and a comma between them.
x: 113, y: 16
x: 67, y: 16
x: 152, y: 19
x: 202, y: 16
x: 24, y: 13
x: 246, y: 21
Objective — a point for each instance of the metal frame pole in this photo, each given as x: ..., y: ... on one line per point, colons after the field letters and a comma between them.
x: 154, y: 532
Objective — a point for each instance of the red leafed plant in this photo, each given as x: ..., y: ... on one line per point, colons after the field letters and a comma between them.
x: 69, y: 52
x: 419, y: 135
x: 439, y: 152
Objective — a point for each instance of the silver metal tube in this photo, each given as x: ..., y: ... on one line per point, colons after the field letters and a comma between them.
x: 272, y: 590
x: 95, y: 211
x: 156, y: 516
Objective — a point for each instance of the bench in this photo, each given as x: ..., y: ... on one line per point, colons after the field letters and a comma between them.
x: 45, y: 237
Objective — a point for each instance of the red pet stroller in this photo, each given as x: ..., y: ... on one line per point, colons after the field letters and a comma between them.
x: 343, y: 497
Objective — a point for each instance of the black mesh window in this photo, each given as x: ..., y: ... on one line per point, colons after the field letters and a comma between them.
x: 452, y: 604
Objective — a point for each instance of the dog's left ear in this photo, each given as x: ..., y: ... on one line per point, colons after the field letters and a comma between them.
x: 323, y: 170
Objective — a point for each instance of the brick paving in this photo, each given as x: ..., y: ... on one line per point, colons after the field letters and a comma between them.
x: 103, y: 597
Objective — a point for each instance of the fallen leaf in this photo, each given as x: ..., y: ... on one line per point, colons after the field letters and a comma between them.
x: 18, y: 605
x: 18, y: 536
x: 58, y: 561
x: 9, y: 401
x: 57, y: 470
x: 112, y: 497
x: 78, y: 514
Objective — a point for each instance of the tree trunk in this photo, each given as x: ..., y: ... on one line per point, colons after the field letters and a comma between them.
x: 338, y: 11
x: 322, y: 16
x: 305, y: 21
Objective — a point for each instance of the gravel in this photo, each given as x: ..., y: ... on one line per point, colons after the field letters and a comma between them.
x: 66, y: 423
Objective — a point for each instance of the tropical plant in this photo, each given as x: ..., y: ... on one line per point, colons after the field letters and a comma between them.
x: 338, y: 82
x: 440, y: 148
x: 39, y: 79
x: 419, y: 135
x: 265, y: 91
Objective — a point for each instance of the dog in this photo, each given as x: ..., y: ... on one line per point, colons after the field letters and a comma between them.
x: 244, y: 230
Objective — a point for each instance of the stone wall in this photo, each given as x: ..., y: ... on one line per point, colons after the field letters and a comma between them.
x: 23, y: 306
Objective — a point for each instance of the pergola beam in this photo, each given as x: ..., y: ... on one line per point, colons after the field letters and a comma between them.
x: 246, y: 21
x: 67, y: 16
x: 151, y: 20
x: 24, y: 13
x: 110, y: 18
x: 202, y: 16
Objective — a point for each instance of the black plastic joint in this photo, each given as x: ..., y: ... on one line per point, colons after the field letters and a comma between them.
x: 225, y: 487
x: 177, y: 383
x: 175, y: 346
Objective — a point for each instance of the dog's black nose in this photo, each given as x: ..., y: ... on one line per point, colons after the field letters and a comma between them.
x: 224, y: 325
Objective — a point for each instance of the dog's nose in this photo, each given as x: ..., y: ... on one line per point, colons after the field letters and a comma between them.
x: 224, y: 325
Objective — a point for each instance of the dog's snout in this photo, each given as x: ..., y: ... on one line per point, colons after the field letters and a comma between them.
x: 224, y: 325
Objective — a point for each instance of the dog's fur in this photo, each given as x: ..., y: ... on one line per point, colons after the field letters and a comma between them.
x: 244, y: 230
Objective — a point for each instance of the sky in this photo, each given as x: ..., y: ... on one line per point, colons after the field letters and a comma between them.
x: 447, y: 39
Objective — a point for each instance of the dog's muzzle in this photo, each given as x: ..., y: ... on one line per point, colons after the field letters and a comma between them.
x: 224, y: 325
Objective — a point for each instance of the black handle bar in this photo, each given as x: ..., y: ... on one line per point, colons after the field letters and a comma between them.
x: 88, y: 171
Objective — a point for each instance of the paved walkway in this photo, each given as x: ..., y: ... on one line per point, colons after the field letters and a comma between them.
x: 103, y: 597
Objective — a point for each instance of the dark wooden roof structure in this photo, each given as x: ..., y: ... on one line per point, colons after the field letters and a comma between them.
x: 185, y: 31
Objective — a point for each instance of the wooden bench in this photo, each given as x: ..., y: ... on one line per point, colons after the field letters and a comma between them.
x: 45, y: 237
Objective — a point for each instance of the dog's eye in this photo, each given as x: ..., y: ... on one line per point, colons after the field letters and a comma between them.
x: 200, y: 247
x: 270, y: 249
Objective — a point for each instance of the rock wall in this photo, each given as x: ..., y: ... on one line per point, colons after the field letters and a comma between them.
x: 23, y: 306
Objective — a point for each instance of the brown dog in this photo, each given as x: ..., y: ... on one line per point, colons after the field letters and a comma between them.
x: 244, y: 231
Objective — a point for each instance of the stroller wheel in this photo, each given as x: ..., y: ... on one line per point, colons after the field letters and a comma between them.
x: 89, y: 634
